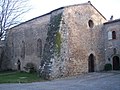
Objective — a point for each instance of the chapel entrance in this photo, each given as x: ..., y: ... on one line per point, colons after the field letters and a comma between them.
x: 91, y: 63
x: 116, y: 63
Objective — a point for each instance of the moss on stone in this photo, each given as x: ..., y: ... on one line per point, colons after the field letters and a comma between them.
x: 52, y: 46
x: 58, y: 42
x: 54, y: 28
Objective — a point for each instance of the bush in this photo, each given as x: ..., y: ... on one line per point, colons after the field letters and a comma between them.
x: 108, y: 67
x: 30, y: 67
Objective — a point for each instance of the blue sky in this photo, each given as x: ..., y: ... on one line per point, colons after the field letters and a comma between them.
x: 40, y: 7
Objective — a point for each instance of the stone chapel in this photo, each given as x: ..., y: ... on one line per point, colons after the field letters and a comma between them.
x: 67, y: 41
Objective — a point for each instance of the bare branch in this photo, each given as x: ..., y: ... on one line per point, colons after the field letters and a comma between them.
x: 10, y: 12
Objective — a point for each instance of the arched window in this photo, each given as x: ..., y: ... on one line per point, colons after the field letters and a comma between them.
x: 113, y: 35
x: 39, y: 47
x: 23, y: 50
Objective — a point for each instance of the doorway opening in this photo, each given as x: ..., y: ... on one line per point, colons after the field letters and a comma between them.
x: 91, y: 63
x: 116, y: 63
x: 18, y: 65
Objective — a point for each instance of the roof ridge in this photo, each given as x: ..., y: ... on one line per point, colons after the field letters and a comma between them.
x: 97, y: 10
x: 48, y: 13
x: 87, y: 3
x: 112, y: 21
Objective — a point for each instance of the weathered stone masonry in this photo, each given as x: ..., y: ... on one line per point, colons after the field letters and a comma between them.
x: 112, y: 46
x: 78, y: 42
x: 27, y: 36
x: 52, y: 47
x: 67, y: 41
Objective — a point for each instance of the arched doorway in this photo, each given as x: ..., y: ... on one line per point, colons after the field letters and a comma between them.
x: 91, y: 63
x: 116, y: 63
x: 18, y: 65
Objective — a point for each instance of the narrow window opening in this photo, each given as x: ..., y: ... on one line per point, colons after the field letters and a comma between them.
x: 39, y: 47
x: 114, y: 50
x: 23, y: 50
x: 113, y: 35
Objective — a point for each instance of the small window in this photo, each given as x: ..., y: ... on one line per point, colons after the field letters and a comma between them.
x: 90, y: 23
x: 114, y: 50
x: 113, y: 35
x: 108, y: 59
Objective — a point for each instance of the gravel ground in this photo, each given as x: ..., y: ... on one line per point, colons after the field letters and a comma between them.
x: 91, y: 81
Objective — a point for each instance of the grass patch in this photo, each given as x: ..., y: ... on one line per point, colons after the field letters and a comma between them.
x: 19, y: 77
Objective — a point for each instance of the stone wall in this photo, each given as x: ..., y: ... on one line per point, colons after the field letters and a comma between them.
x: 83, y: 40
x: 78, y: 41
x: 2, y: 47
x: 51, y: 55
x: 23, y: 42
x: 110, y: 44
x: 67, y: 40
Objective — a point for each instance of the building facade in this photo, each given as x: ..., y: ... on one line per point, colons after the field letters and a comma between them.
x: 67, y: 41
x: 112, y: 43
